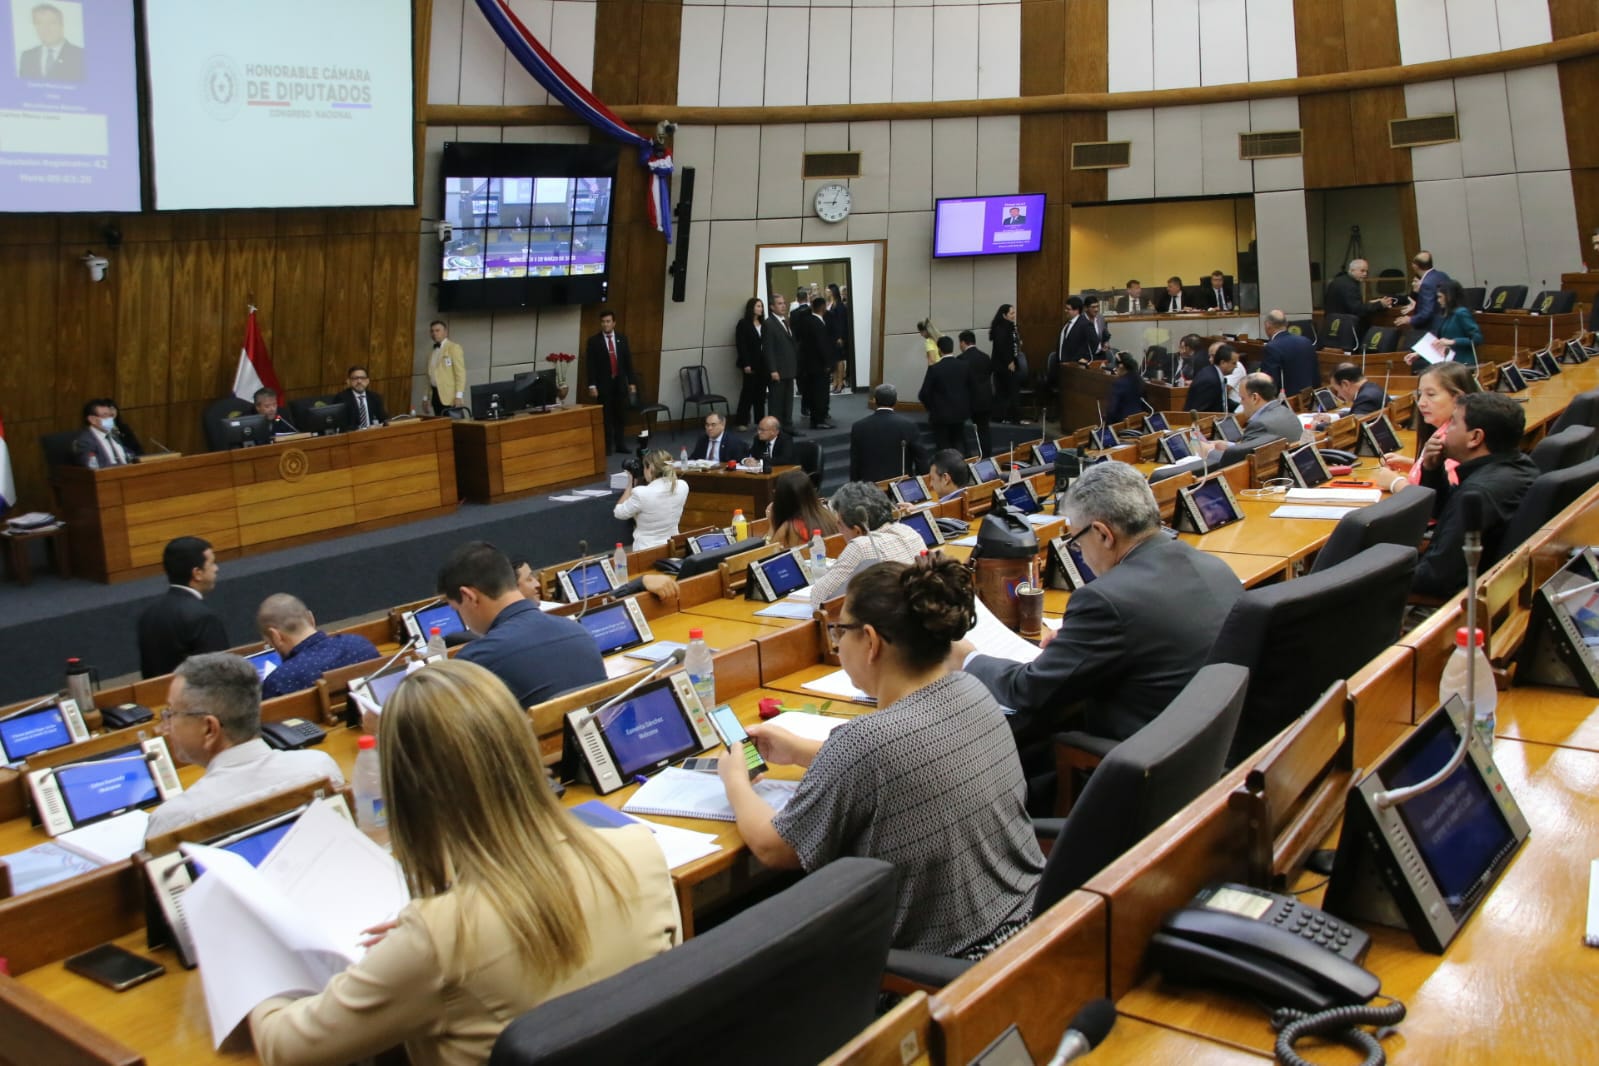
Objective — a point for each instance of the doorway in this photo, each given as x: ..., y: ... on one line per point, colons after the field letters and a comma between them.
x: 858, y: 268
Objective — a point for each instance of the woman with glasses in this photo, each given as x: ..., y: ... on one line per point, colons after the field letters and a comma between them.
x: 930, y: 781
x: 1437, y: 390
x: 871, y: 536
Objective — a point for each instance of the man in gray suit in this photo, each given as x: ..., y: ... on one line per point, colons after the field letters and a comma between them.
x: 1131, y: 638
x: 782, y: 362
x: 1270, y: 418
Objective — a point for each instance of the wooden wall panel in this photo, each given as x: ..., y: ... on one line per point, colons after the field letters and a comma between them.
x: 1346, y: 133
x: 1041, y: 167
x: 1579, y: 88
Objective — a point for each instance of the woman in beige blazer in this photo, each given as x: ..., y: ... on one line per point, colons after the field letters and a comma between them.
x: 514, y: 901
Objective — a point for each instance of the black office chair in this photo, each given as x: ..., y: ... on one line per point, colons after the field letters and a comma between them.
x: 1570, y: 446
x: 1550, y: 494
x: 1476, y: 296
x: 218, y: 412
x: 1341, y: 331
x: 696, y: 384
x: 1305, y: 327
x: 788, y: 981
x: 1299, y: 636
x: 1554, y: 302
x: 1507, y: 298
x: 1380, y: 339
x: 1583, y: 410
x: 808, y: 453
x: 1140, y: 782
x: 1400, y: 519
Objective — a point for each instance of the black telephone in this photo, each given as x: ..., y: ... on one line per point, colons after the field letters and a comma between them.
x: 1338, y: 457
x: 1285, y: 952
x: 292, y: 733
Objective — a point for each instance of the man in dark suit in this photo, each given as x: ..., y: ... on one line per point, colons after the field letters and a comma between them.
x: 815, y: 345
x: 266, y: 405
x: 611, y: 377
x: 1344, y: 295
x: 1290, y: 357
x: 781, y: 354
x: 1208, y: 392
x: 772, y: 444
x: 1077, y: 339
x: 1099, y: 333
x: 716, y: 443
x: 1015, y: 218
x: 1216, y: 296
x: 1140, y: 634
x: 180, y: 624
x: 363, y: 408
x: 1362, y: 397
x: 55, y: 58
x: 946, y: 394
x: 97, y: 443
x: 981, y: 390
x: 885, y: 443
x: 1134, y: 303
x: 1171, y: 301
x: 1423, y: 314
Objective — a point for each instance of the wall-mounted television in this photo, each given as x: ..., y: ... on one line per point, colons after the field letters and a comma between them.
x: 988, y: 225
x: 530, y: 224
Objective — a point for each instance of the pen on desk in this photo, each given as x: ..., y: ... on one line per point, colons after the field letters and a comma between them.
x: 640, y: 779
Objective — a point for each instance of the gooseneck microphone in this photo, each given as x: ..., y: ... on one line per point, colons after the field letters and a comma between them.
x: 1086, y: 1032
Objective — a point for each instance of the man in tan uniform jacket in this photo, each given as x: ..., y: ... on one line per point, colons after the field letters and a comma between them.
x: 446, y: 370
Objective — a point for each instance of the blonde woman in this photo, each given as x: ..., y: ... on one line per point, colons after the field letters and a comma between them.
x: 657, y: 505
x: 930, y: 335
x: 514, y: 901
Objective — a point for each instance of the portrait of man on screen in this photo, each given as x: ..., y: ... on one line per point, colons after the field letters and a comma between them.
x: 53, y: 25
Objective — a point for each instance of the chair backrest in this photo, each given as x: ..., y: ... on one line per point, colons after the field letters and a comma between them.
x: 1305, y: 327
x: 695, y: 381
x: 810, y: 958
x: 809, y: 455
x: 1476, y: 296
x: 1567, y: 447
x: 1341, y: 331
x: 1400, y: 519
x: 300, y: 410
x: 1146, y: 779
x: 1550, y: 494
x: 219, y: 411
x: 1300, y: 636
x: 1583, y: 410
x: 1554, y: 302
x: 1381, y: 339
x: 1507, y: 298
x: 58, y: 447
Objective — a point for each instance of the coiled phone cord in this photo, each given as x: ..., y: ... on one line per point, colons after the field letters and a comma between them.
x: 1340, y: 1024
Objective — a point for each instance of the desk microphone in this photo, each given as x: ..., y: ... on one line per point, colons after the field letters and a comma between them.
x: 582, y: 594
x: 1086, y: 1032
x: 35, y: 705
x: 675, y: 659
x: 164, y: 449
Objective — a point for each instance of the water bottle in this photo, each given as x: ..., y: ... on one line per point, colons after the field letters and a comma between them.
x: 741, y: 525
x: 494, y: 406
x: 701, y: 670
x: 94, y: 462
x: 80, y: 684
x: 436, y: 644
x: 370, y: 814
x: 1464, y: 660
x: 1196, y: 439
x: 682, y: 455
x: 818, y: 556
x: 619, y: 563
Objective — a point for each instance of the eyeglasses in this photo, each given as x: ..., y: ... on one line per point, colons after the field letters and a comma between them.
x: 1075, y: 537
x: 836, y: 630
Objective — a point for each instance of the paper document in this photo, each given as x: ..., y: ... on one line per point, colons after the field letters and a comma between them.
x: 567, y: 499
x: 680, y: 846
x: 43, y: 865
x: 591, y: 492
x: 1334, y: 495
x: 838, y: 685
x: 679, y: 793
x: 1290, y: 510
x: 992, y: 637
x: 659, y: 651
x: 807, y: 725
x: 109, y: 841
x: 784, y: 609
x: 800, y: 595
x: 963, y: 542
x: 1429, y: 349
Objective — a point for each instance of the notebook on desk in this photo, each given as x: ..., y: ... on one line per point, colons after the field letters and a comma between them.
x: 677, y: 793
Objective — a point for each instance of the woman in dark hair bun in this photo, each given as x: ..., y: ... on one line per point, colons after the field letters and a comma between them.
x: 930, y: 782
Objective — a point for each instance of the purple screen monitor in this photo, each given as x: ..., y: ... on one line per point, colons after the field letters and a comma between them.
x: 69, y: 113
x: 988, y: 225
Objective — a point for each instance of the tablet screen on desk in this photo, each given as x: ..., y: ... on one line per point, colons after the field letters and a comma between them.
x: 1175, y: 447
x: 783, y: 574
x: 985, y: 470
x: 649, y: 730
x: 258, y: 844
x: 94, y: 790
x: 1103, y: 438
x: 1229, y: 429
x: 1020, y: 496
x: 590, y: 579
x: 265, y: 661
x: 1382, y: 435
x: 28, y: 734
x: 909, y: 490
x: 1155, y: 422
x: 706, y: 541
x: 440, y: 616
x: 923, y: 525
x: 1309, y: 470
x: 1214, y: 502
x: 1045, y: 451
x: 612, y: 628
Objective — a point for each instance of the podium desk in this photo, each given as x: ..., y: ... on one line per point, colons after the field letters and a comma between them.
x: 713, y: 495
x: 1525, y: 331
x: 527, y: 453
x: 259, y: 499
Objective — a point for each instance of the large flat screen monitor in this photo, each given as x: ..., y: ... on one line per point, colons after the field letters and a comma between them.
x: 280, y: 103
x: 988, y: 225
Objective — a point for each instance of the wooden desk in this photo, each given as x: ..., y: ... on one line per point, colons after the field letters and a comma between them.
x: 528, y: 453
x: 256, y: 499
x: 1559, y: 716
x: 1286, y: 539
x: 1525, y: 331
x: 1585, y: 285
x: 713, y: 496
x: 738, y: 610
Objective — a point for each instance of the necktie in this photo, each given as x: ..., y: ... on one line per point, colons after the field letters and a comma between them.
x: 610, y: 344
x: 360, y: 402
x: 715, y: 456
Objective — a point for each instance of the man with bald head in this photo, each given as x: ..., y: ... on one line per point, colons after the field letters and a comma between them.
x: 1345, y: 296
x: 772, y: 444
x: 288, y: 626
x: 1290, y: 357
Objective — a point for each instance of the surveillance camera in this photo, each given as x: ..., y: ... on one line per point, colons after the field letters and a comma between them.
x: 97, y: 265
x: 444, y: 231
x: 665, y: 128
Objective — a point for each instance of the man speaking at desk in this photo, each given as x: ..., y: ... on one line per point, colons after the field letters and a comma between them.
x: 716, y: 445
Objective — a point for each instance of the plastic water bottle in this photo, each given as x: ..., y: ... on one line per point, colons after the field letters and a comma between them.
x: 494, y: 406
x: 370, y: 814
x: 436, y: 644
x: 619, y: 563
x: 818, y: 556
x: 1462, y: 661
x: 741, y: 525
x: 682, y: 455
x: 701, y: 670
x: 1196, y: 439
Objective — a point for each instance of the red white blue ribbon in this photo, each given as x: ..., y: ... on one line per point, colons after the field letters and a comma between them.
x: 559, y: 83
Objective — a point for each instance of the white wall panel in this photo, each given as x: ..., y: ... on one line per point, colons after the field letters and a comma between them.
x: 871, y: 50
x: 912, y: 54
x: 1222, y: 28
x: 993, y: 283
x: 954, y: 157
x: 1423, y: 30
x: 1222, y: 170
x: 730, y: 274
x: 1498, y: 247
x: 910, y: 180
x: 1179, y: 138
x: 1273, y: 53
x: 1137, y: 181
x: 743, y: 80
x: 1440, y: 207
x: 998, y: 152
x: 1473, y: 27
x: 999, y: 49
x: 572, y: 39
x: 1176, y: 35
x: 788, y: 32
x: 1523, y: 23
x: 560, y: 330
x: 1278, y: 114
x: 520, y: 88
x: 868, y: 227
x: 829, y: 57
x: 695, y: 146
x: 908, y: 280
x: 514, y: 341
x: 780, y: 230
x: 1130, y: 46
x: 483, y: 60
x: 738, y: 157
x: 1435, y: 161
x: 1537, y: 125
x: 683, y: 324
x: 699, y: 57
x: 1284, y: 251
x: 1485, y: 145
x: 869, y: 192
x: 827, y: 136
x: 782, y: 162
x: 1549, y: 224
x: 444, y: 52
x: 951, y: 295
x: 955, y: 31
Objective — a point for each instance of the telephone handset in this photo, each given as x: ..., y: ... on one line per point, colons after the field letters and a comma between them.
x: 1286, y: 952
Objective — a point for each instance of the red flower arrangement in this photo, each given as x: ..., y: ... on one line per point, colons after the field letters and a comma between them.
x: 560, y: 359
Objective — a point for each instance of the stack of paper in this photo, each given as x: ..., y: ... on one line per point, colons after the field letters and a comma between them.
x: 45, y: 864
x: 990, y: 636
x: 1334, y: 495
x: 679, y: 793
x: 809, y: 726
x: 838, y: 685
x: 680, y: 846
x: 798, y: 610
x: 109, y: 841
x: 1331, y: 514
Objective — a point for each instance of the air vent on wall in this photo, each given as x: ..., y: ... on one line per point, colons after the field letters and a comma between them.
x: 1270, y: 144
x: 832, y: 164
x: 1422, y: 129
x: 1101, y: 155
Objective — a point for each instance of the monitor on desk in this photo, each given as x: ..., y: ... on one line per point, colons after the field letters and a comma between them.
x: 1174, y: 448
x: 984, y: 470
x: 1207, y: 505
x: 1044, y: 453
x: 1229, y: 430
x: 1546, y: 361
x: 324, y: 421
x: 1103, y: 438
x: 371, y: 693
x: 1378, y: 436
x: 908, y: 490
x: 591, y: 577
x: 500, y: 396
x: 1019, y: 495
x: 419, y: 624
x: 706, y: 562
x: 265, y: 661
x: 535, y: 388
x: 246, y: 431
x: 73, y: 795
x: 1155, y: 422
x: 654, y: 727
x: 35, y: 729
x: 776, y: 577
x: 1510, y: 379
x: 1326, y: 402
x: 1305, y: 467
x: 1067, y: 568
x: 704, y: 542
x: 617, y: 626
x: 926, y: 528
x: 1561, y: 648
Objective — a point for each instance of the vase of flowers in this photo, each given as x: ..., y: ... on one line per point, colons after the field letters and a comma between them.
x: 559, y: 360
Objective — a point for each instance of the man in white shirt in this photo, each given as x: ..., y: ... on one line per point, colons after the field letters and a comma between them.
x: 213, y: 719
x: 96, y: 445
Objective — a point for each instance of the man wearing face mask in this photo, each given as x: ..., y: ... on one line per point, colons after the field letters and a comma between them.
x: 97, y: 444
